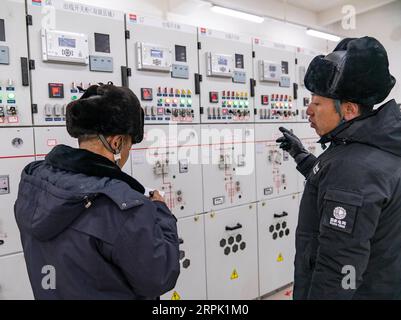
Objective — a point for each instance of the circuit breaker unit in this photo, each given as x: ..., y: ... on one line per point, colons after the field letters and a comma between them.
x: 168, y: 160
x: 228, y: 165
x: 276, y: 170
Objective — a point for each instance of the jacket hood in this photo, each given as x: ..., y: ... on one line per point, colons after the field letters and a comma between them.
x: 56, y: 191
x: 380, y: 129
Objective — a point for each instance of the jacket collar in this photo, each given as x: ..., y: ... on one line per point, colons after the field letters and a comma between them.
x: 341, y: 129
x: 89, y: 163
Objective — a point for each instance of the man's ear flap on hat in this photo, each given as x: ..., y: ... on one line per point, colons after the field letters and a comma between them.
x: 138, y: 137
x: 91, y: 91
x: 319, y: 76
x: 343, y: 44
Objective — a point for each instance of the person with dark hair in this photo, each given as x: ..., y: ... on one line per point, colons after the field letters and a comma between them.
x: 348, y: 237
x: 82, y: 216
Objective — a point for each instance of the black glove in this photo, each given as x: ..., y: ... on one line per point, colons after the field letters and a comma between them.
x: 291, y: 143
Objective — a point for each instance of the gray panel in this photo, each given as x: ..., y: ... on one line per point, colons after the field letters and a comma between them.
x: 239, y: 77
x: 179, y: 71
x: 4, y: 55
x: 100, y: 64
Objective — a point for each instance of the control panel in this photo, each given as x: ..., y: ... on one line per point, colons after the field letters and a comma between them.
x: 15, y: 105
x: 274, y: 67
x: 163, y: 61
x: 225, y: 64
x: 72, y: 47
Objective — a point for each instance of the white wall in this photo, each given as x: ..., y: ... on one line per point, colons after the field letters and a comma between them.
x: 198, y: 13
x: 385, y: 25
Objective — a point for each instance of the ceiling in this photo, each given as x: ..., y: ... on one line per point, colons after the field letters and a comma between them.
x: 319, y: 13
x: 316, y: 5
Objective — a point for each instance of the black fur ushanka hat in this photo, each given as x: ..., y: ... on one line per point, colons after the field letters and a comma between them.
x: 356, y: 71
x: 106, y: 110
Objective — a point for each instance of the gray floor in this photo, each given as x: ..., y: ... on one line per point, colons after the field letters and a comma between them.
x: 282, y: 294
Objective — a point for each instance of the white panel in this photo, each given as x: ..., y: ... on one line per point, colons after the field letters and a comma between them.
x: 168, y: 160
x: 231, y: 253
x: 15, y: 103
x: 46, y: 138
x: 304, y: 58
x: 277, y: 220
x: 276, y: 173
x: 228, y: 165
x: 16, y: 152
x: 191, y: 284
x: 14, y: 281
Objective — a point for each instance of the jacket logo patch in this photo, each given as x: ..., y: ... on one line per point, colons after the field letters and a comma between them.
x: 316, y: 168
x: 339, y: 214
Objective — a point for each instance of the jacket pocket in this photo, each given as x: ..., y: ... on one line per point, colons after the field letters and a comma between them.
x: 340, y: 209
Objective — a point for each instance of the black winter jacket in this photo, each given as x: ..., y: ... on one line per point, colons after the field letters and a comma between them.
x: 350, y: 213
x: 91, y: 223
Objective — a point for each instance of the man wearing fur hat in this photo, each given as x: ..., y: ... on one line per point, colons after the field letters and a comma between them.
x: 79, y: 213
x: 348, y: 237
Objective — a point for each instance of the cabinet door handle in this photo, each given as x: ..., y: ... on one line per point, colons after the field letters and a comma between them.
x: 238, y: 226
x: 284, y: 214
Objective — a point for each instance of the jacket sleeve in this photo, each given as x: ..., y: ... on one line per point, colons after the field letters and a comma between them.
x: 305, y: 165
x: 147, y: 250
x: 350, y: 201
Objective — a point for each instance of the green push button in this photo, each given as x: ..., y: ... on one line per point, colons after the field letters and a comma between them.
x: 11, y: 96
x: 73, y: 98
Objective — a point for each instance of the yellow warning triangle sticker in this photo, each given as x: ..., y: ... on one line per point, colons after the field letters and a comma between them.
x: 280, y: 258
x: 175, y: 296
x: 234, y: 274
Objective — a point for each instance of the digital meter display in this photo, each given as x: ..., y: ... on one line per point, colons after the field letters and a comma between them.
x: 180, y: 53
x: 222, y: 61
x: 66, y: 42
x: 239, y: 61
x: 156, y: 53
x: 56, y: 90
x: 284, y: 67
x: 102, y: 42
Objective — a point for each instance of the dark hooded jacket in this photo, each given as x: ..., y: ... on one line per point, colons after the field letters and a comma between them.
x: 348, y: 239
x: 91, y: 223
